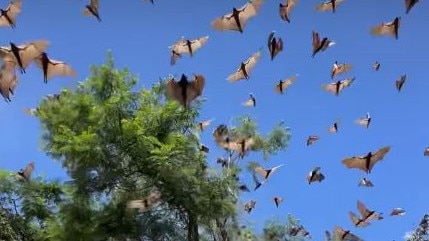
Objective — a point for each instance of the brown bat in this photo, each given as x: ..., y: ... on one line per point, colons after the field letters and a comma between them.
x: 320, y: 46
x: 8, y: 80
x: 426, y: 152
x: 8, y: 16
x: 277, y: 201
x: 186, y: 47
x: 358, y: 222
x: 409, y: 4
x: 184, y: 91
x: 312, y: 139
x: 222, y: 161
x: 397, y: 212
x: 24, y: 54
x: 284, y: 84
x: 265, y: 173
x: 239, y: 145
x: 367, y: 162
x: 330, y: 5
x: 315, y: 176
x: 367, y: 215
x: 220, y: 133
x: 251, y: 102
x: 365, y: 121
x: 334, y: 128
x: 249, y: 206
x: 237, y: 20
x: 364, y: 182
x: 275, y: 46
x: 243, y: 72
x: 338, y: 86
x: 92, y: 10
x: 285, y: 9
x: 338, y: 69
x: 51, y: 67
x: 204, y: 149
x: 345, y: 235
x: 146, y: 203
x: 400, y: 82
x: 204, y: 124
x: 387, y: 29
x: 243, y: 187
x: 376, y: 65
x: 299, y: 230
x: 258, y: 184
x: 26, y: 173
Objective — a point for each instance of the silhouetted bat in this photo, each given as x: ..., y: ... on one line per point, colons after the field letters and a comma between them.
x: 237, y: 20
x: 315, y: 175
x: 251, y: 102
x: 357, y: 222
x: 338, y: 86
x: 338, y: 69
x: 275, y: 45
x: 243, y: 72
x: 186, y: 47
x: 397, y: 212
x: 345, y: 235
x: 320, y: 46
x: 387, y: 29
x: 312, y: 139
x: 249, y: 206
x: 330, y: 5
x: 266, y: 173
x: 151, y: 1
x: 277, y: 201
x: 284, y: 84
x: 364, y: 182
x: 26, y: 173
x: 365, y: 121
x: 284, y: 10
x: 299, y: 230
x: 400, y: 82
x: 367, y: 215
x: 376, y: 66
x: 184, y: 91
x: 334, y: 128
x: 92, y: 10
x: 51, y: 67
x: 409, y: 4
x: 8, y: 16
x: 367, y: 162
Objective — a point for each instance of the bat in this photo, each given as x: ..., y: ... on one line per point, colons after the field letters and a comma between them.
x: 275, y: 45
x: 284, y: 84
x: 330, y: 5
x: 345, y: 235
x: 320, y: 46
x: 397, y: 212
x: 8, y: 16
x: 426, y: 152
x: 277, y: 201
x: 358, y: 222
x: 266, y: 173
x: 26, y: 173
x: 237, y: 20
x: 204, y: 149
x: 338, y: 86
x: 243, y: 187
x: 367, y: 214
x: 92, y: 10
x: 243, y: 72
x: 376, y: 65
x: 186, y: 47
x: 312, y: 139
x: 367, y: 162
x: 51, y: 67
x: 387, y: 29
x: 365, y: 183
x: 240, y: 145
x: 24, y: 54
x: 338, y: 69
x: 409, y: 4
x: 146, y: 203
x: 334, y: 128
x: 258, y: 184
x: 8, y: 80
x: 151, y: 1
x: 203, y: 125
x: 249, y: 206
x: 30, y: 111
x: 364, y: 121
x: 285, y: 9
x: 219, y: 133
x: 250, y: 102
x: 315, y: 176
x: 400, y: 82
x: 328, y: 236
x: 299, y: 230
x: 185, y: 91
x: 222, y: 161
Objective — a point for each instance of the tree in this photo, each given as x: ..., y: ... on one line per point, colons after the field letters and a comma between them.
x: 421, y: 232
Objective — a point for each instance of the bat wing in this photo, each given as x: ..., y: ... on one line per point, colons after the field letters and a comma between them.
x: 270, y: 38
x: 383, y: 29
x: 224, y: 23
x: 331, y: 87
x: 198, y: 43
x: 362, y: 121
x: 409, y: 4
x: 344, y: 68
x: 12, y: 11
x: 378, y: 156
x: 283, y: 12
x: 346, y: 83
x: 195, y: 89
x: 56, y: 68
x: 28, y: 170
x: 353, y: 217
x: 326, y: 6
x: 355, y: 162
x: 252, y: 61
x: 288, y: 82
x: 180, y: 48
x: 261, y: 171
x: 31, y: 51
x: 364, y: 212
x: 249, y: 103
x: 174, y: 91
x: 248, y: 11
x: 237, y: 75
x: 316, y: 41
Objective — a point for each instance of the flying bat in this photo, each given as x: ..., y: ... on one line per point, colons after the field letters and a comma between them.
x: 186, y: 47
x: 92, y: 10
x: 397, y: 212
x: 364, y: 182
x: 364, y: 121
x: 285, y: 9
x: 277, y: 201
x: 337, y: 87
x: 203, y: 125
x: 256, y: 181
x: 315, y: 175
x: 8, y: 80
x: 426, y: 152
x: 284, y: 84
x: 204, y: 148
x: 51, y: 67
x: 334, y: 127
x: 367, y: 162
x: 275, y: 45
x: 8, y: 16
x: 338, y: 69
x: 239, y: 145
x: 376, y: 65
x: 367, y: 215
x: 146, y: 203
x: 312, y: 139
x: 400, y: 82
x: 357, y: 222
x: 151, y: 1
x: 249, y: 206
x: 251, y: 102
x: 320, y: 46
x: 345, y: 235
x: 298, y: 230
x: 243, y: 72
x: 330, y: 5
x: 26, y: 173
x: 409, y: 4
x: 184, y: 91
x: 387, y: 29
x: 237, y: 20
x: 265, y: 173
x: 24, y: 54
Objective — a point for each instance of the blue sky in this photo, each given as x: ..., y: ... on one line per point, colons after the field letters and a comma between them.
x: 139, y: 34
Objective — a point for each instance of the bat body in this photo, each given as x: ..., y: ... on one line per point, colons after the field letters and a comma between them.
x: 275, y: 46
x: 376, y: 66
x: 330, y: 5
x: 409, y: 4
x: 367, y: 162
x: 237, y: 20
x: 357, y: 222
x: 400, y: 82
x: 8, y: 16
x: 334, y: 128
x: 345, y: 235
x: 365, y: 121
x: 364, y: 182
x: 284, y: 84
x: 387, y: 29
x: 338, y: 69
x: 367, y: 215
x: 315, y: 176
x: 243, y: 72
x: 285, y: 9
x: 320, y: 46
x: 312, y: 139
x: 186, y: 47
x: 184, y: 91
x: 277, y: 201
x: 338, y: 86
x: 26, y: 173
x: 92, y: 9
x: 250, y: 102
x: 51, y: 67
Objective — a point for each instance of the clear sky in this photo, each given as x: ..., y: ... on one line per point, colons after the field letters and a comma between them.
x: 139, y: 34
